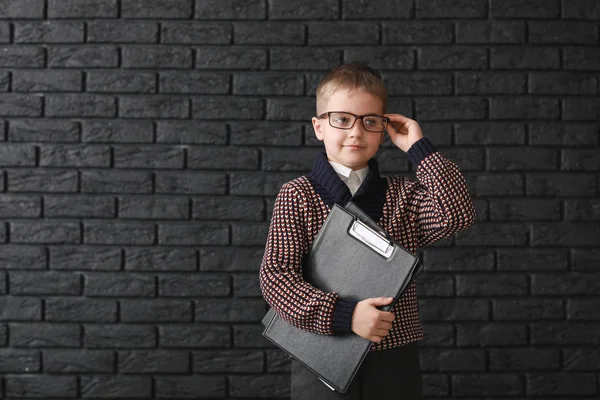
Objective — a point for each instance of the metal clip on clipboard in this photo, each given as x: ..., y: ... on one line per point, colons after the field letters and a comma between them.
x: 371, y: 238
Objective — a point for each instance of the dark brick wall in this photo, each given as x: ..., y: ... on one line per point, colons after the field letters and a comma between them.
x: 144, y: 141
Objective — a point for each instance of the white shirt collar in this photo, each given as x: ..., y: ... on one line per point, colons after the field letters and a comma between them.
x: 345, y: 171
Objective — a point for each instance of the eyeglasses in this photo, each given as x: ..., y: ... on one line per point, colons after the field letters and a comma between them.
x: 346, y: 120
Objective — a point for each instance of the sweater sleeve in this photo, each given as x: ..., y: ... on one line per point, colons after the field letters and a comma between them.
x: 282, y: 285
x: 440, y: 198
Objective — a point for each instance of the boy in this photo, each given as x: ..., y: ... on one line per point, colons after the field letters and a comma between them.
x: 415, y: 214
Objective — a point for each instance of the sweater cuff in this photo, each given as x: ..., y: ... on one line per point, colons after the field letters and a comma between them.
x: 342, y: 316
x: 419, y: 150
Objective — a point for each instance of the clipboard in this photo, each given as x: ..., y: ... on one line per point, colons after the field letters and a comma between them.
x: 355, y: 257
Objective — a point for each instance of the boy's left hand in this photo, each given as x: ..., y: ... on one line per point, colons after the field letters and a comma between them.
x: 403, y: 131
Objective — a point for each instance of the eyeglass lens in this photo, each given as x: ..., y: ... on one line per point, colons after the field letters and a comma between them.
x: 371, y: 123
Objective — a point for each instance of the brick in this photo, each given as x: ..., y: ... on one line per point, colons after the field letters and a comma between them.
x: 180, y: 132
x: 388, y: 9
x: 560, y: 184
x: 154, y: 361
x: 22, y: 9
x: 277, y: 361
x: 119, y: 336
x: 561, y: 383
x: 41, y: 386
x: 44, y: 232
x: 148, y: 156
x: 228, y: 208
x: 478, y: 83
x: 203, y: 285
x: 511, y: 57
x: 117, y: 131
x: 120, y: 31
x: 15, y: 155
x: 515, y: 159
x: 491, y: 334
x: 451, y: 9
x: 190, y: 386
x: 80, y: 310
x: 268, y: 84
x: 118, y: 233
x: 20, y: 105
x: 568, y: 134
x: 580, y: 160
x: 230, y: 9
x: 78, y: 361
x: 131, y: 387
x: 581, y: 109
x: 266, y: 33
x: 488, y: 285
x: 490, y: 32
x: 580, y: 359
x: 194, y: 82
x: 4, y: 32
x: 44, y: 282
x: 305, y: 59
x: 153, y: 107
x: 53, y: 131
x: 160, y: 259
x: 414, y: 32
x: 199, y: 234
x: 189, y: 182
x: 431, y: 285
x: 524, y: 209
x: 584, y: 259
x: 574, y: 283
x: 74, y: 156
x: 494, y: 234
x: 487, y: 385
x: 20, y: 308
x: 343, y: 33
x: 451, y: 108
x: 157, y: 57
x: 19, y: 361
x: 246, y: 285
x: 281, y: 9
x: 121, y: 81
x: 214, y: 157
x: 16, y: 57
x: 49, y: 32
x: 528, y: 309
x: 580, y: 9
x: 156, y: 9
x: 266, y: 133
x: 85, y: 258
x: 581, y: 58
x: 201, y: 335
x: 79, y: 105
x: 437, y: 335
x: 238, y: 361
x: 108, y: 284
x: 242, y: 58
x: 300, y: 109
x: 454, y: 309
x: 435, y: 384
x: 153, y: 207
x: 248, y: 234
x: 389, y: 58
x: 388, y: 161
x: 259, y: 184
x: 250, y: 336
x: 465, y: 159
x: 229, y: 310
x: 227, y: 107
x: 579, y: 309
x: 83, y: 57
x: 524, y: 108
x: 196, y: 33
x: 562, y: 83
x: 565, y: 333
x: 23, y: 257
x: 79, y: 206
x: 447, y: 360
x: 524, y: 359
x: 273, y: 385
x: 525, y: 9
x: 114, y: 181
x: 532, y: 260
x: 582, y: 210
x: 163, y: 310
x: 4, y: 82
x: 489, y: 133
x: 243, y: 259
x: 418, y: 83
x: 47, y: 81
x: 44, y: 335
x: 90, y: 9
x: 563, y: 32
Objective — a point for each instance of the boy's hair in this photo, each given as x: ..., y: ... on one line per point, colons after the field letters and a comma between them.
x: 354, y: 75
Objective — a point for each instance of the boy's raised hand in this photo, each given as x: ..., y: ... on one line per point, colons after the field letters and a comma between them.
x: 370, y: 323
x: 403, y: 131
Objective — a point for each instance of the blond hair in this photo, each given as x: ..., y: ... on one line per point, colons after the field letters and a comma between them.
x: 350, y: 76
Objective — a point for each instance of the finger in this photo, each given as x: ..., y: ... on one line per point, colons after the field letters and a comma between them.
x: 387, y: 316
x: 397, y: 117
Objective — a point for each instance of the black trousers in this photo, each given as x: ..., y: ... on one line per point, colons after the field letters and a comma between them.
x: 387, y: 374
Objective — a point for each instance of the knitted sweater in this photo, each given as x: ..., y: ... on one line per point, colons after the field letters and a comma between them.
x: 415, y: 214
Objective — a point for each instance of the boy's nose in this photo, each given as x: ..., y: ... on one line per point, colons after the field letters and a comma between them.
x: 357, y: 129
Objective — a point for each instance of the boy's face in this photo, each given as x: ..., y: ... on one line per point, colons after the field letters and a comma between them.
x: 350, y: 147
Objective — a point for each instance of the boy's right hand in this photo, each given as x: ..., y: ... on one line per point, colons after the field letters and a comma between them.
x: 369, y: 322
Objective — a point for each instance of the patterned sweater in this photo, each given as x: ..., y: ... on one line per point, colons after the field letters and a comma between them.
x: 415, y: 214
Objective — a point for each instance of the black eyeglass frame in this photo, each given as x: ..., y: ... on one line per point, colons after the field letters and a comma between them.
x: 356, y: 118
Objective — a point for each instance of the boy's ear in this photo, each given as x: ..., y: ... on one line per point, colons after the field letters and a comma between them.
x: 317, y: 127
